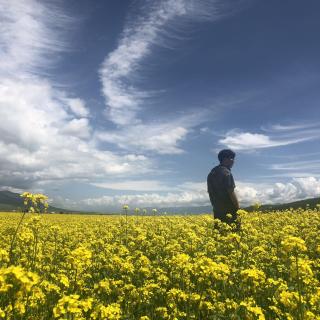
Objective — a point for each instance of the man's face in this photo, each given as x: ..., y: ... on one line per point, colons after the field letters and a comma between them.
x: 228, y: 162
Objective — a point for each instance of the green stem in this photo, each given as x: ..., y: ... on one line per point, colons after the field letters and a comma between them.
x: 14, y: 238
x: 299, y: 289
x: 35, y: 250
x: 126, y: 227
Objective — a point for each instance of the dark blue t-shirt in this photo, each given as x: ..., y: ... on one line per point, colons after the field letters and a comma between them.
x: 220, y: 181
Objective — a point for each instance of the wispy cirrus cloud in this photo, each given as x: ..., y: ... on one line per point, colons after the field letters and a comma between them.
x: 32, y: 26
x: 271, y: 136
x: 162, y: 137
x: 133, y: 185
x: 251, y: 141
x: 152, y: 185
x: 152, y: 27
x: 159, y: 138
x: 311, y: 166
x: 290, y: 127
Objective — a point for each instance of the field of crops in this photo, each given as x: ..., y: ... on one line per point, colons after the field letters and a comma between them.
x: 160, y: 267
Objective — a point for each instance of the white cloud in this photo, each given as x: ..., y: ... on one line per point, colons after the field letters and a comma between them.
x: 77, y: 127
x: 78, y: 107
x: 290, y: 127
x: 272, y: 136
x: 152, y: 185
x: 204, y: 130
x: 68, y: 158
x: 160, y: 138
x: 28, y: 109
x: 250, y: 141
x: 247, y: 193
x: 32, y: 26
x: 246, y: 140
x: 279, y: 192
x: 157, y: 136
x: 193, y: 186
x: 309, y: 186
x: 309, y: 165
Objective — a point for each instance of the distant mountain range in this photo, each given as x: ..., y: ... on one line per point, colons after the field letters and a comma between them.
x: 310, y: 203
x: 10, y: 201
x: 306, y: 203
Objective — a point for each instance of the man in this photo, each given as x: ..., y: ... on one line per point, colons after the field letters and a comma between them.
x: 221, y: 188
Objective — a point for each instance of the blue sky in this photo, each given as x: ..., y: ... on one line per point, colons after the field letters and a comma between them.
x: 105, y: 103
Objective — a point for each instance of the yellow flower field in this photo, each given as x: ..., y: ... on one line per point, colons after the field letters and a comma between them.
x: 160, y: 267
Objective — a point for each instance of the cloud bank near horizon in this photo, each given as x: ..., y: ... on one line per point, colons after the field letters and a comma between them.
x: 193, y: 194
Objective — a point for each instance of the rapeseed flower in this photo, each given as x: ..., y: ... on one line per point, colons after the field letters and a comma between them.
x: 2, y: 314
x: 251, y: 310
x: 4, y: 256
x: 290, y: 299
x: 254, y: 276
x: 291, y: 244
x: 110, y: 312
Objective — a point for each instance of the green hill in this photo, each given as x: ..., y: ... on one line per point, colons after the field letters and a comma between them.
x: 11, y: 201
x: 310, y: 203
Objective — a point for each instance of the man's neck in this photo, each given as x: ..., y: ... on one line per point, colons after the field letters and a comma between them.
x: 223, y: 165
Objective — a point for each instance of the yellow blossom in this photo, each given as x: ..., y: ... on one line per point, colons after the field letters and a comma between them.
x: 291, y: 243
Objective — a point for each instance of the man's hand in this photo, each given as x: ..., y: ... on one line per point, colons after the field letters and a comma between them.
x: 234, y: 199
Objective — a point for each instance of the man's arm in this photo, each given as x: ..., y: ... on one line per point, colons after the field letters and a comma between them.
x: 234, y: 198
x: 211, y: 198
x: 209, y: 188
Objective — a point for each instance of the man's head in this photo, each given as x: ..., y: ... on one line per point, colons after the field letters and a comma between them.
x: 226, y: 157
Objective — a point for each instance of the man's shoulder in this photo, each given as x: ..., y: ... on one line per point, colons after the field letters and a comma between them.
x: 221, y: 170
x: 213, y: 171
x: 219, y: 174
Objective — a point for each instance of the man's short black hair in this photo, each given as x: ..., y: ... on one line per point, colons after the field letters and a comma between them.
x: 226, y: 154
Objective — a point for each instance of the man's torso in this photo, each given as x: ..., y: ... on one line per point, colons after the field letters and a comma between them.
x: 220, y: 183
